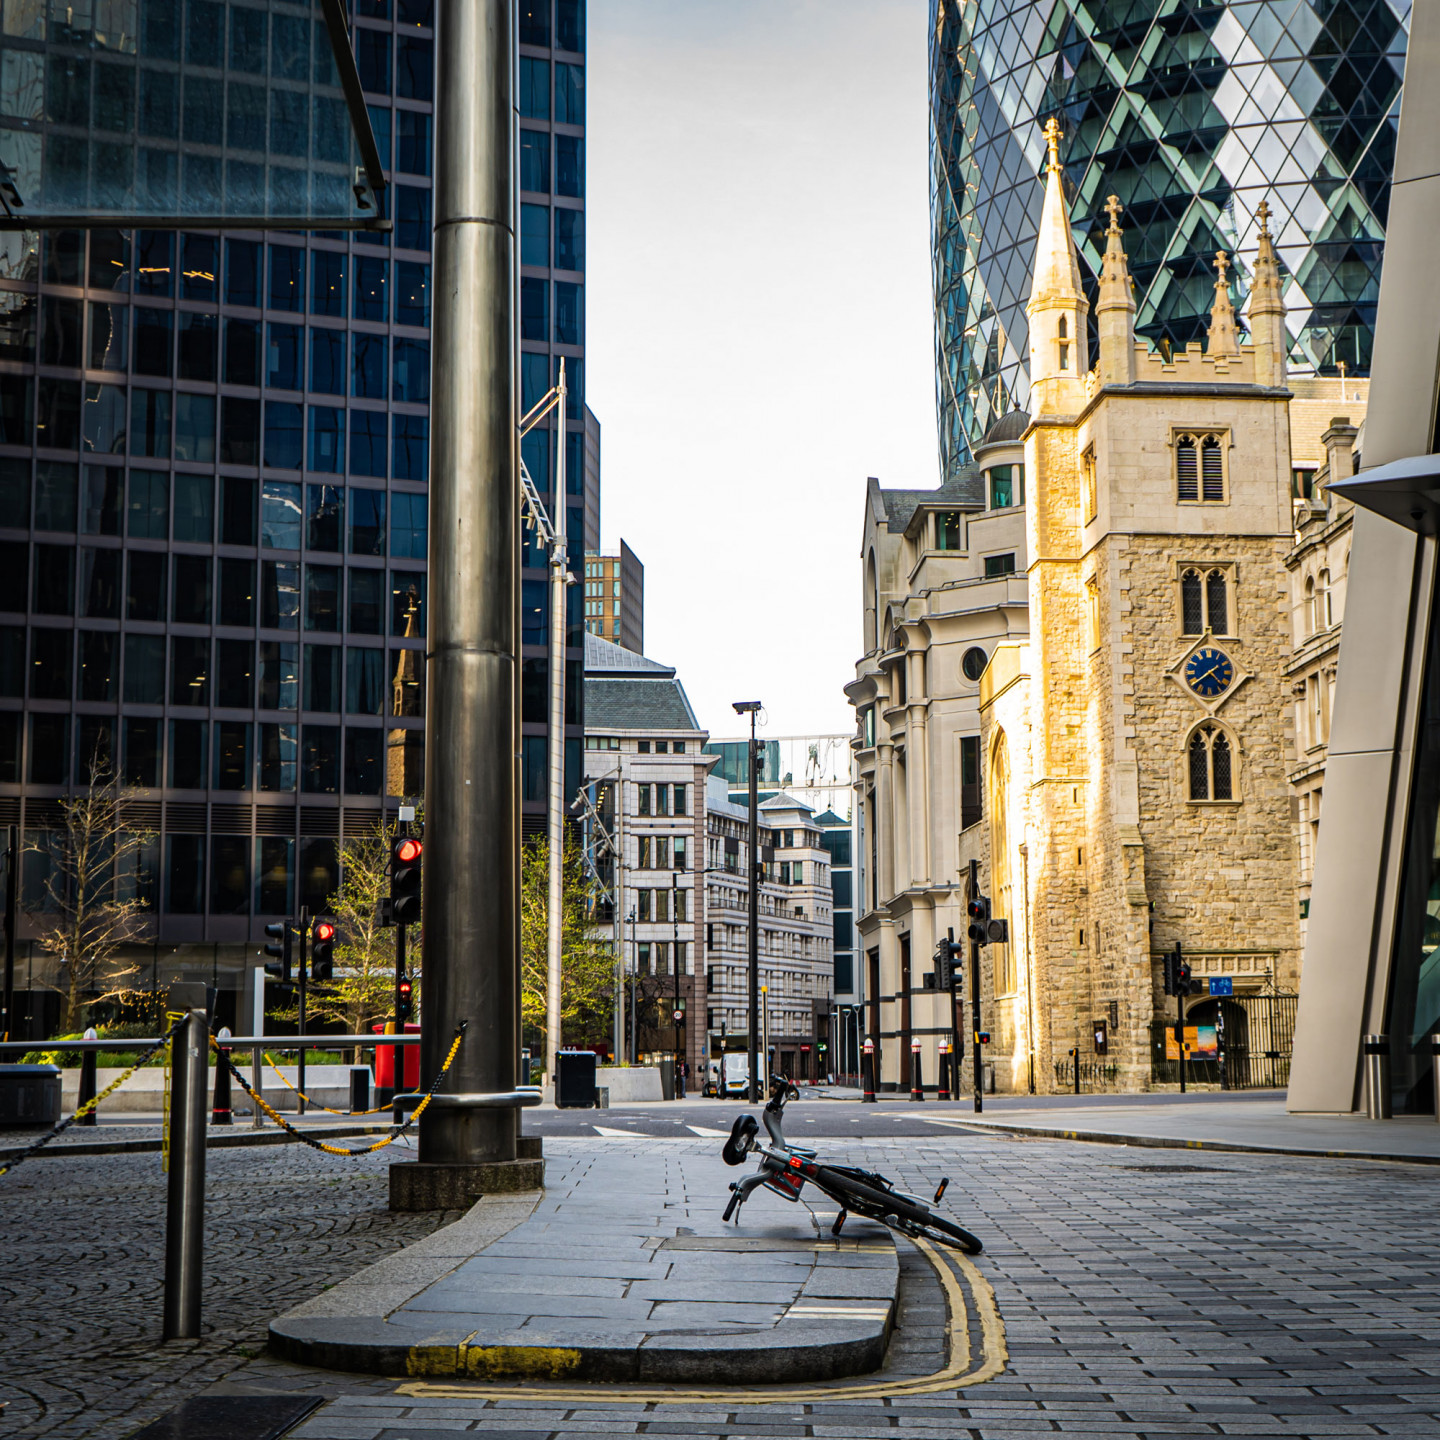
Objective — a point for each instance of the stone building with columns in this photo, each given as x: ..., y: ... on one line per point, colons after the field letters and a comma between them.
x: 1117, y: 755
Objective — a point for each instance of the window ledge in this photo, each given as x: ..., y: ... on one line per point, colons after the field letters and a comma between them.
x: 1214, y: 803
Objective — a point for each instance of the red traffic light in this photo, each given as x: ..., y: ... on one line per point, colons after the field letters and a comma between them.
x: 405, y: 987
x: 323, y: 930
x: 407, y: 851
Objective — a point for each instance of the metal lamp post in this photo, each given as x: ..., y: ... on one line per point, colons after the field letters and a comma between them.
x: 752, y: 709
x: 471, y: 884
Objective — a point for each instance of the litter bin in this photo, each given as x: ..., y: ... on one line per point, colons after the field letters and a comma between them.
x: 575, y: 1080
x: 29, y: 1095
x: 667, y: 1077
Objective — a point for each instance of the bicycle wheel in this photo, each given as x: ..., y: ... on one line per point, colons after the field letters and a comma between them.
x: 908, y: 1217
x: 946, y: 1232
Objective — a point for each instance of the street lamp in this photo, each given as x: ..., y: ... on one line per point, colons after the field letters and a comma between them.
x: 752, y: 709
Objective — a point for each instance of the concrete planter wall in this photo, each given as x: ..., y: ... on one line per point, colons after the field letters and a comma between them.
x: 629, y: 1082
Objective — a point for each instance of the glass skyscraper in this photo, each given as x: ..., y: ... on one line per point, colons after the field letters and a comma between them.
x: 1192, y: 112
x: 214, y: 507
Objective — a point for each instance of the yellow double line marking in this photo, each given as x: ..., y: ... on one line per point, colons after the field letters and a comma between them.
x: 961, y: 1370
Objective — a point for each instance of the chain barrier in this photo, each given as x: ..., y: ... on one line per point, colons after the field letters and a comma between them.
x: 315, y: 1104
x: 314, y: 1144
x: 7, y: 1166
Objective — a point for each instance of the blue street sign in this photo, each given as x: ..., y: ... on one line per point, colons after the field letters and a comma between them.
x: 1222, y: 985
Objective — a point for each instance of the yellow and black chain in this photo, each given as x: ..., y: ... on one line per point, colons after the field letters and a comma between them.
x: 315, y: 1104
x: 7, y: 1166
x: 341, y: 1149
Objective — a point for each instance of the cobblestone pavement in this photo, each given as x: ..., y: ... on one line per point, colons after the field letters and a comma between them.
x: 1143, y: 1295
x: 82, y: 1260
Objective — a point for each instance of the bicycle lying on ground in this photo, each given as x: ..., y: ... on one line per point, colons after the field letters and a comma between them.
x: 785, y: 1168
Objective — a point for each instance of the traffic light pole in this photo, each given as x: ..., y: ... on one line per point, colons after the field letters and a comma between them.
x: 957, y: 1048
x: 1179, y: 1021
x: 400, y: 973
x: 301, y: 977
x: 974, y: 891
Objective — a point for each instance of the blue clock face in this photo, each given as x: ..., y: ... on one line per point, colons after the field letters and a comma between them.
x: 1209, y: 673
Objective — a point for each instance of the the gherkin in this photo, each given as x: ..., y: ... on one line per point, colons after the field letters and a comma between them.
x: 1193, y: 112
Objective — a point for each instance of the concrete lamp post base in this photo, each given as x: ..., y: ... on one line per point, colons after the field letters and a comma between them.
x: 419, y: 1185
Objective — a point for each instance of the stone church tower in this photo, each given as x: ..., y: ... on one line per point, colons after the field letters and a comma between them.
x: 1135, y: 745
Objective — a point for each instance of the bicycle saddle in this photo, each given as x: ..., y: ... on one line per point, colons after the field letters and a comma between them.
x: 738, y: 1144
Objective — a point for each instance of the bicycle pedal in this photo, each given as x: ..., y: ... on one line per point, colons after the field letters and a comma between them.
x: 839, y: 1223
x: 941, y: 1191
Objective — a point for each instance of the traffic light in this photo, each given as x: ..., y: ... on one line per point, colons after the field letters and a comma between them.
x: 979, y: 911
x: 405, y: 855
x: 404, y: 998
x: 322, y: 941
x: 1184, y: 985
x: 948, y: 956
x: 279, y: 948
x: 1172, y: 961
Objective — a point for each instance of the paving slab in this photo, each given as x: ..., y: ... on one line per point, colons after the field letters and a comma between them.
x: 621, y: 1269
x: 1215, y: 1123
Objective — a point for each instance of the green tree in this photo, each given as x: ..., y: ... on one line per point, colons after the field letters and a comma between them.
x: 363, y: 990
x: 587, y: 965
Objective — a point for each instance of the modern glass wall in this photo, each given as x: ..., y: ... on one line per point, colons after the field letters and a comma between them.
x: 552, y: 324
x: 1413, y: 1004
x: 1193, y: 112
x: 214, y: 505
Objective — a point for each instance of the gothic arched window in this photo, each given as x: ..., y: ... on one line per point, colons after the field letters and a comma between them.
x: 1217, y: 610
x: 1192, y: 607
x: 1212, y: 473
x: 1210, y: 764
x: 1064, y: 333
x: 1187, y: 484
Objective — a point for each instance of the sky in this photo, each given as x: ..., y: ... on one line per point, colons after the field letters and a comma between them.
x: 759, y: 335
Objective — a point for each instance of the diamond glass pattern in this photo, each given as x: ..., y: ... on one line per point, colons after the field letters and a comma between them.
x: 1192, y: 112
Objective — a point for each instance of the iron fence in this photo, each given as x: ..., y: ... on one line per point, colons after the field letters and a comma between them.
x: 1240, y: 1042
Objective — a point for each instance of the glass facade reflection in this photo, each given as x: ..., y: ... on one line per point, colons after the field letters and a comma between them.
x: 214, y: 507
x: 1413, y: 1004
x: 1192, y: 112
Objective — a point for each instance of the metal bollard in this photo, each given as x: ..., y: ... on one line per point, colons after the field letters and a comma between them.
x: 1435, y: 1071
x: 257, y: 1084
x: 185, y: 1201
x: 944, y: 1063
x: 220, y: 1112
x: 1075, y: 1053
x: 359, y: 1090
x: 867, y: 1074
x: 1377, y: 1076
x: 88, y: 1061
x: 917, y: 1088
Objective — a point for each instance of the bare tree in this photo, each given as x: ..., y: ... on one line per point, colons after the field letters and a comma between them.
x: 86, y: 917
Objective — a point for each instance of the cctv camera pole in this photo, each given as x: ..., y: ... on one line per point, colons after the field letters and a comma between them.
x: 554, y: 917
x: 972, y: 890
